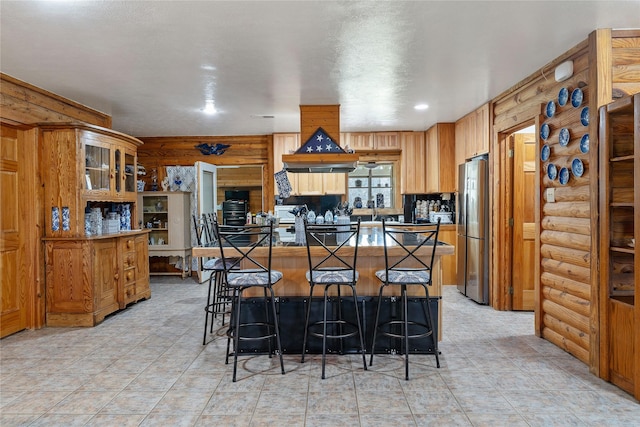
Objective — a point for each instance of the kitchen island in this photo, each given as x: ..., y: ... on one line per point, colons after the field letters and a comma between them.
x: 291, y: 259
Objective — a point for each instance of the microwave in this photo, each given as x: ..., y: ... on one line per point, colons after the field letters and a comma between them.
x: 282, y: 212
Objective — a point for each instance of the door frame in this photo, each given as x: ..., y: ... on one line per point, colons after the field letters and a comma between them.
x: 521, y: 146
x: 503, y: 207
x: 201, y: 169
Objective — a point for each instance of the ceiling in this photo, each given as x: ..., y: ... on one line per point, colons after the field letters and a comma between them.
x: 152, y: 65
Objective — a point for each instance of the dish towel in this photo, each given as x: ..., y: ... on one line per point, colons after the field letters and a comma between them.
x: 282, y: 181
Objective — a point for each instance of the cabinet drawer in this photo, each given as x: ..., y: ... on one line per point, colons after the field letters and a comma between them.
x: 129, y: 276
x: 129, y: 259
x: 129, y: 293
x: 130, y: 243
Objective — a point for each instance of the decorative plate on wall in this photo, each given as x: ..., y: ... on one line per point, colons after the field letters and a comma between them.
x: 563, y: 177
x: 545, y: 130
x: 552, y: 171
x: 564, y: 137
x: 584, y: 116
x: 584, y: 143
x: 551, y: 109
x: 545, y: 152
x: 577, y: 167
x: 563, y: 96
x: 576, y: 97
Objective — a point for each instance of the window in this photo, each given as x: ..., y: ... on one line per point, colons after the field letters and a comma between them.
x: 372, y: 185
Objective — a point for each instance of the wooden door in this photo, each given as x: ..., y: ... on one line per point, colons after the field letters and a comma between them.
x: 523, y: 268
x: 19, y: 232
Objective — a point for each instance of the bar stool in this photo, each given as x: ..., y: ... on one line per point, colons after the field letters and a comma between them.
x: 332, y: 253
x: 242, y: 252
x: 218, y: 295
x: 405, y: 267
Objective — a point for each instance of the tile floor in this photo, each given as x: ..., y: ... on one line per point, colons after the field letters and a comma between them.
x: 146, y: 366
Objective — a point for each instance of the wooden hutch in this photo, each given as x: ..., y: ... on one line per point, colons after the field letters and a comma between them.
x: 89, y: 276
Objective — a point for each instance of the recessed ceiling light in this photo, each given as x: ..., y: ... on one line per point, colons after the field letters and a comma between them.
x: 210, y: 107
x: 421, y: 107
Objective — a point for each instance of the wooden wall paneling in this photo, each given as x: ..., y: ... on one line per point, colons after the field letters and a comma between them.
x: 22, y: 103
x: 626, y: 70
x: 314, y: 116
x: 159, y: 152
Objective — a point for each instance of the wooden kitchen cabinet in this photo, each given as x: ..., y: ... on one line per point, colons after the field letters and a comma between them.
x: 413, y: 159
x: 368, y: 141
x: 472, y: 136
x: 619, y: 136
x: 357, y: 140
x: 448, y: 263
x: 90, y: 278
x: 440, y: 159
x: 386, y: 140
x: 285, y: 143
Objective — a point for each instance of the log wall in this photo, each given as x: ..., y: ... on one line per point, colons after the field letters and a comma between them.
x: 606, y: 65
x: 564, y: 240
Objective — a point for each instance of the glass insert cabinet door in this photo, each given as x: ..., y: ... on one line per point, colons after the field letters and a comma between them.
x: 97, y: 168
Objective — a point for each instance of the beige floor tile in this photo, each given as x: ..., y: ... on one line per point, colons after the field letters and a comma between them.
x: 146, y: 366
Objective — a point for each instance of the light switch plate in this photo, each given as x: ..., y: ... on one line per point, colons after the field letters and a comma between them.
x: 551, y: 195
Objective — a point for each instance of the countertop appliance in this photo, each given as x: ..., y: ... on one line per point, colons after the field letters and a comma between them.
x: 234, y: 212
x: 473, y: 230
x: 284, y: 213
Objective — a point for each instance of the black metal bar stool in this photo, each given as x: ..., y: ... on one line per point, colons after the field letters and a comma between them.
x: 405, y: 266
x: 243, y: 249
x: 218, y: 294
x: 332, y: 252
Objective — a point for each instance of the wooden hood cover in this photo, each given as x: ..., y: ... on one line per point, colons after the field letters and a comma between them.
x: 320, y: 152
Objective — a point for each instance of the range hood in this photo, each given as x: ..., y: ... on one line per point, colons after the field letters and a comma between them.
x: 320, y: 153
x: 320, y: 163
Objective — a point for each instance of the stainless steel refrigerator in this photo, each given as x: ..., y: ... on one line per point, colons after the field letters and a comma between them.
x: 473, y: 230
